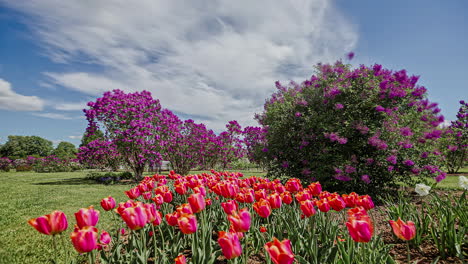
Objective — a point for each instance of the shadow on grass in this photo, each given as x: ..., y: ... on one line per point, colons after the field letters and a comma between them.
x: 81, y: 181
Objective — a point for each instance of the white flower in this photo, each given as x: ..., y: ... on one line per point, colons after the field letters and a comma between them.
x: 422, y: 189
x: 463, y: 181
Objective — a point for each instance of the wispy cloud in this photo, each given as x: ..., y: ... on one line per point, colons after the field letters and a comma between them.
x: 53, y: 116
x: 74, y: 137
x: 70, y: 106
x: 218, y: 63
x: 10, y: 100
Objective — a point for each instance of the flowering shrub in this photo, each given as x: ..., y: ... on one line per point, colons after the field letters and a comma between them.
x: 454, y: 143
x: 54, y: 164
x: 5, y: 164
x: 361, y: 129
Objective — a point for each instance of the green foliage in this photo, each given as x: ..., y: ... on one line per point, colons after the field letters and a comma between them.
x: 441, y: 220
x: 86, y: 139
x: 19, y: 147
x: 65, y: 150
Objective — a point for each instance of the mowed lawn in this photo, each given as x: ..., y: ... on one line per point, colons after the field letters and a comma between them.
x: 27, y: 195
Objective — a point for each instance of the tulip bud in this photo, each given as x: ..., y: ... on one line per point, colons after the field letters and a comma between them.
x: 402, y: 230
x: 108, y: 203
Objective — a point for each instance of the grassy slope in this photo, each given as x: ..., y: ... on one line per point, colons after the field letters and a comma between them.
x: 26, y: 195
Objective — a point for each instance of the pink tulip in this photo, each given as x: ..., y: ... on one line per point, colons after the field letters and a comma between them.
x: 402, y: 230
x: 108, y: 203
x: 187, y: 223
x: 262, y: 208
x: 280, y: 252
x: 84, y: 239
x: 240, y: 221
x: 135, y: 217
x: 50, y: 224
x: 230, y: 244
x: 307, y: 208
x: 87, y: 217
x: 197, y: 202
x: 360, y: 226
x: 229, y: 207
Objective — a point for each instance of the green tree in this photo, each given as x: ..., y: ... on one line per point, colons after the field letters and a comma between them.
x: 86, y: 139
x: 18, y: 147
x: 65, y: 150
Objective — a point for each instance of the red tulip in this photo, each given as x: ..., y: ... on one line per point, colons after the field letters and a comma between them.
x: 366, y: 202
x: 184, y: 209
x: 405, y: 231
x: 323, y: 205
x: 135, y: 217
x: 303, y: 195
x: 158, y: 199
x: 87, y: 217
x: 181, y: 260
x: 187, y: 223
x: 108, y: 203
x: 286, y: 197
x: 153, y: 216
x: 229, y: 207
x: 263, y: 229
x: 336, y: 202
x: 240, y: 221
x: 315, y: 188
x: 360, y: 227
x: 197, y: 202
x: 351, y: 199
x: 275, y: 200
x: 280, y: 252
x: 84, y: 239
x: 307, y: 208
x: 230, y: 244
x: 133, y: 193
x: 50, y: 224
x: 262, y: 208
x: 260, y: 194
x: 172, y: 218
x: 293, y: 185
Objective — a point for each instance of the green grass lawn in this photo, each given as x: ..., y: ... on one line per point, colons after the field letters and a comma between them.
x: 27, y: 195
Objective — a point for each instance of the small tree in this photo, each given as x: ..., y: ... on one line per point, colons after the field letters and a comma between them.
x: 255, y: 144
x: 231, y: 144
x: 134, y: 122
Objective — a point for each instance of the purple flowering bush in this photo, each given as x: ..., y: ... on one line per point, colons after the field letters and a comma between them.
x: 363, y: 129
x: 134, y: 123
x: 5, y: 164
x: 454, y: 143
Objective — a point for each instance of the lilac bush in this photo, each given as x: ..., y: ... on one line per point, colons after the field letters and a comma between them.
x: 255, y: 145
x: 454, y: 143
x: 100, y: 154
x: 363, y: 129
x: 135, y: 123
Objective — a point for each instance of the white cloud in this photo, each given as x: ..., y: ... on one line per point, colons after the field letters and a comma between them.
x: 217, y: 60
x: 10, y: 100
x: 70, y: 106
x: 74, y: 137
x: 53, y: 116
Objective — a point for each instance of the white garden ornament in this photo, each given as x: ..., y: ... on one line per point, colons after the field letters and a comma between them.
x: 463, y: 181
x: 422, y: 189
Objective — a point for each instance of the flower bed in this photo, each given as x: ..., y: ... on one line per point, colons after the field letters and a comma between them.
x: 222, y: 216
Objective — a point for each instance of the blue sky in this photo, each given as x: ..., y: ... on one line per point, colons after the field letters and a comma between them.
x: 212, y: 64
